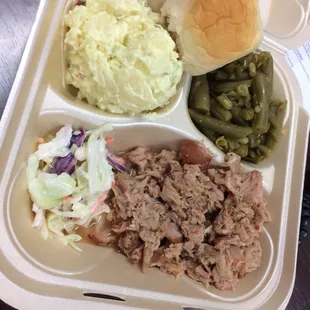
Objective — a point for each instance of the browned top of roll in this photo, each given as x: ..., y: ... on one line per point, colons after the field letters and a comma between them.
x: 212, y: 33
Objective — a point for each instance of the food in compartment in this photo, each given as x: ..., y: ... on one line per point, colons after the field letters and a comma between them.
x: 179, y: 210
x: 213, y: 33
x: 69, y: 178
x: 119, y: 56
x: 183, y: 213
x: 233, y: 106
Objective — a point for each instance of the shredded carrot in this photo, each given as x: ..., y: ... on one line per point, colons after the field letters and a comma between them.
x: 100, y: 201
x: 109, y: 140
x: 68, y: 198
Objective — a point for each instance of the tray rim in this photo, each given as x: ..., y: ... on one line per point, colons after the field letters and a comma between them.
x: 6, y: 119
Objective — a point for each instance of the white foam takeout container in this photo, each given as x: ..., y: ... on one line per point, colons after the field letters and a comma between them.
x: 39, y: 274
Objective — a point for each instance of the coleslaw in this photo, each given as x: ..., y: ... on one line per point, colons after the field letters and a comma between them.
x: 69, y: 179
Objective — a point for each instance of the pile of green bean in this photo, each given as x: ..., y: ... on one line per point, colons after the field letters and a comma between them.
x: 233, y: 106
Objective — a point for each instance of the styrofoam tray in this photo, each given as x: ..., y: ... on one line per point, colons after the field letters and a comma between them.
x: 38, y: 273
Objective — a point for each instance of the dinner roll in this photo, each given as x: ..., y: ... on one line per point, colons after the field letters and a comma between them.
x: 213, y: 33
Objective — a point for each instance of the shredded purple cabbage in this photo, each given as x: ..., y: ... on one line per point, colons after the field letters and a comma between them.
x: 78, y: 137
x: 64, y: 164
x: 80, y: 2
x: 115, y: 164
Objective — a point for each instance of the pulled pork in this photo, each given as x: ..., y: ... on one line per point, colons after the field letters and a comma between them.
x: 182, y: 214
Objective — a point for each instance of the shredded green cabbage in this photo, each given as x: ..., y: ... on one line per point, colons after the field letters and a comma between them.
x: 32, y: 167
x: 100, y: 175
x: 59, y: 146
x: 48, y: 193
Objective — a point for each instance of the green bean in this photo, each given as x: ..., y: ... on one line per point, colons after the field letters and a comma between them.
x: 276, y: 102
x: 276, y: 133
x: 247, y: 114
x: 240, y: 102
x: 267, y: 69
x: 233, y: 144
x: 281, y: 111
x: 257, y: 109
x: 194, y: 86
x: 247, y: 104
x: 267, y: 66
x: 236, y: 117
x: 248, y: 99
x: 274, y: 120
x: 224, y: 102
x: 208, y: 133
x: 221, y: 75
x: 263, y: 138
x: 213, y: 94
x: 264, y: 150
x: 229, y: 130
x: 261, y: 119
x: 226, y: 87
x: 220, y: 113
x: 221, y: 143
x: 253, y: 141
x: 273, y: 137
x: 243, y: 90
x: 252, y: 153
x: 238, y: 70
x: 244, y: 140
x: 241, y: 77
x: 230, y: 67
x: 232, y: 95
x: 242, y: 117
x: 252, y: 69
x: 246, y: 60
x: 232, y: 76
x: 201, y: 96
x: 242, y: 151
x: 257, y: 159
x: 276, y: 114
x: 259, y: 60
x: 274, y: 107
x: 271, y: 142
x: 190, y: 100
